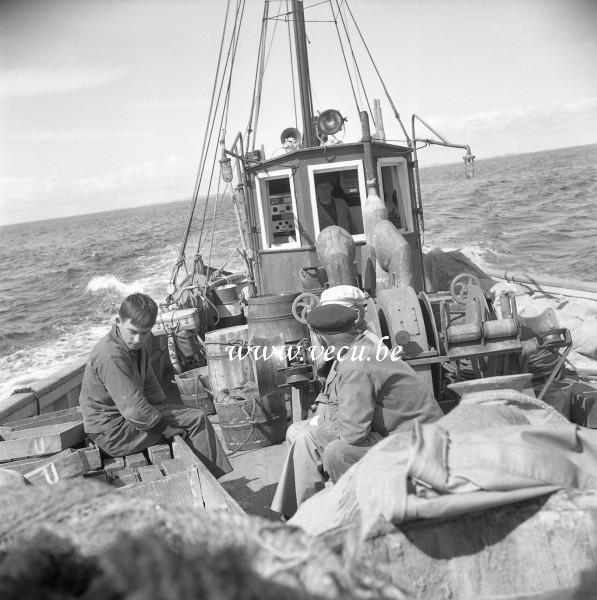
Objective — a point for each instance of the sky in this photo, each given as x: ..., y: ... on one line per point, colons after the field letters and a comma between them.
x: 103, y: 103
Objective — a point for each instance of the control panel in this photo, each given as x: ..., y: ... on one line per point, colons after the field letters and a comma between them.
x: 281, y: 218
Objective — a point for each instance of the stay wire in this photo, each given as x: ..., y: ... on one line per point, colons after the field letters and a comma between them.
x: 354, y: 94
x: 354, y: 59
x: 250, y: 143
x: 389, y: 98
x: 223, y: 119
x: 292, y: 68
x: 228, y: 68
x: 205, y: 144
x: 266, y: 55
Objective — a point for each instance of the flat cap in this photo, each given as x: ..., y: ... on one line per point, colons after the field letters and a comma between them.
x: 331, y: 318
x: 347, y: 295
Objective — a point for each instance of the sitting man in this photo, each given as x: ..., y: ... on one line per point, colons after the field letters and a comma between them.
x: 124, y: 408
x: 368, y: 394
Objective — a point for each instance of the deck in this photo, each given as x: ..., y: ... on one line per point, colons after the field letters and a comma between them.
x: 254, y: 477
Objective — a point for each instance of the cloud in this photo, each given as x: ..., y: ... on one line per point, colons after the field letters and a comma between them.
x: 26, y: 82
x: 167, y: 105
x: 26, y: 193
x: 53, y: 136
x: 586, y: 107
x: 523, y: 128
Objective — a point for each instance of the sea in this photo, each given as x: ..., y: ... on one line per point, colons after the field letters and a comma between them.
x: 62, y: 280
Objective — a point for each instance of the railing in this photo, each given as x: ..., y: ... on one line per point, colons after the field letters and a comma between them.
x: 62, y: 389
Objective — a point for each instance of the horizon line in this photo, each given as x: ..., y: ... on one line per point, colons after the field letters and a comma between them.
x: 133, y: 206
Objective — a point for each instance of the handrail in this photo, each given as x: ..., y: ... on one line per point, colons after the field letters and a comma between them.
x: 568, y: 286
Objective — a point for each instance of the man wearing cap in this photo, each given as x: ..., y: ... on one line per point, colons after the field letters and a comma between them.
x: 367, y: 395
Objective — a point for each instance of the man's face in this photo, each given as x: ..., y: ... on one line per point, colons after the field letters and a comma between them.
x: 324, y: 192
x: 338, y: 340
x: 133, y: 336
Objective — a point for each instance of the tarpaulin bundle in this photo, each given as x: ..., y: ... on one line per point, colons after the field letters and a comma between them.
x: 495, y: 448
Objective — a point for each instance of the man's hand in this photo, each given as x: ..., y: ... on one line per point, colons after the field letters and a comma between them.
x: 170, y: 431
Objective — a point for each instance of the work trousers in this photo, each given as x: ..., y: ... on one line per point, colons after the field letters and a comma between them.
x: 315, y: 454
x: 122, y: 437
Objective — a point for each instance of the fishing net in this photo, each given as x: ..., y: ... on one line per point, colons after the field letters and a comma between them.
x: 132, y: 546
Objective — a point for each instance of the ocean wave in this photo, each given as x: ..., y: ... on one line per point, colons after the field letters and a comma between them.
x: 110, y: 283
x: 26, y: 366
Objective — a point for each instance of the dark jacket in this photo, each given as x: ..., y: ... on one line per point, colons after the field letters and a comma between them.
x: 119, y: 384
x: 364, y: 394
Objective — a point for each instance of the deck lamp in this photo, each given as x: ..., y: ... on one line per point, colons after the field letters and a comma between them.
x: 330, y: 122
x: 225, y: 160
x: 226, y: 169
x: 469, y: 164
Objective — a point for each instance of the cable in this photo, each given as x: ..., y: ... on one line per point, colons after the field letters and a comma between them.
x: 354, y: 60
x: 389, y: 98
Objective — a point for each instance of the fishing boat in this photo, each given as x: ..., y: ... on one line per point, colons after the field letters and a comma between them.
x: 457, y: 325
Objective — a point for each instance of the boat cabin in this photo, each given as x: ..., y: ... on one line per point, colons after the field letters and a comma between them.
x: 285, y: 219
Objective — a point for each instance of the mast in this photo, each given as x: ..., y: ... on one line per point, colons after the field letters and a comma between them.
x: 302, y: 61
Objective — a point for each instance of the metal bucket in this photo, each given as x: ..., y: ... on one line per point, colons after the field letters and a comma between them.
x: 271, y: 324
x: 228, y: 305
x: 248, y: 421
x: 225, y: 373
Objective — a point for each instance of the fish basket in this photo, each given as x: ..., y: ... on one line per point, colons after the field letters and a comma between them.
x: 193, y: 391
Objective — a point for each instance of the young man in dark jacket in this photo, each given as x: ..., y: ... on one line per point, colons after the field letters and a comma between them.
x: 124, y: 408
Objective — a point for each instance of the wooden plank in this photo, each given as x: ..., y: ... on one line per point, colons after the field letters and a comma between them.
x: 124, y: 477
x: 252, y: 481
x: 96, y: 476
x: 113, y: 463
x: 149, y: 473
x: 214, y: 495
x: 28, y: 464
x: 180, y: 488
x: 59, y: 416
x: 46, y: 440
x: 61, y: 466
x: 92, y: 457
x: 135, y: 460
x: 175, y: 465
x: 71, y: 431
x: 158, y: 453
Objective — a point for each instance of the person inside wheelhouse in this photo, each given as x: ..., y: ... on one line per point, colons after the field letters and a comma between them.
x: 332, y: 209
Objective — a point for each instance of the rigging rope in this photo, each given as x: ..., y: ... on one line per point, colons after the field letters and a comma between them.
x: 265, y: 54
x: 389, y: 98
x: 203, y: 152
x: 227, y: 69
x: 354, y: 60
x: 292, y: 67
x: 213, y: 222
x: 258, y: 81
x: 215, y: 103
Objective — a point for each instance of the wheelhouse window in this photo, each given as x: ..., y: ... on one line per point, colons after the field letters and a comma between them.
x: 338, y: 193
x: 394, y: 190
x: 276, y: 202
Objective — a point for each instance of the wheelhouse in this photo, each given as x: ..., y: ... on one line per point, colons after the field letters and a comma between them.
x: 285, y: 220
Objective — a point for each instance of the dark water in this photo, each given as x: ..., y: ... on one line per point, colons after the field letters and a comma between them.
x: 61, y: 280
x: 536, y: 212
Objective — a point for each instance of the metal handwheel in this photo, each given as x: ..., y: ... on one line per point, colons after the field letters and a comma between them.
x: 302, y: 305
x: 460, y: 286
